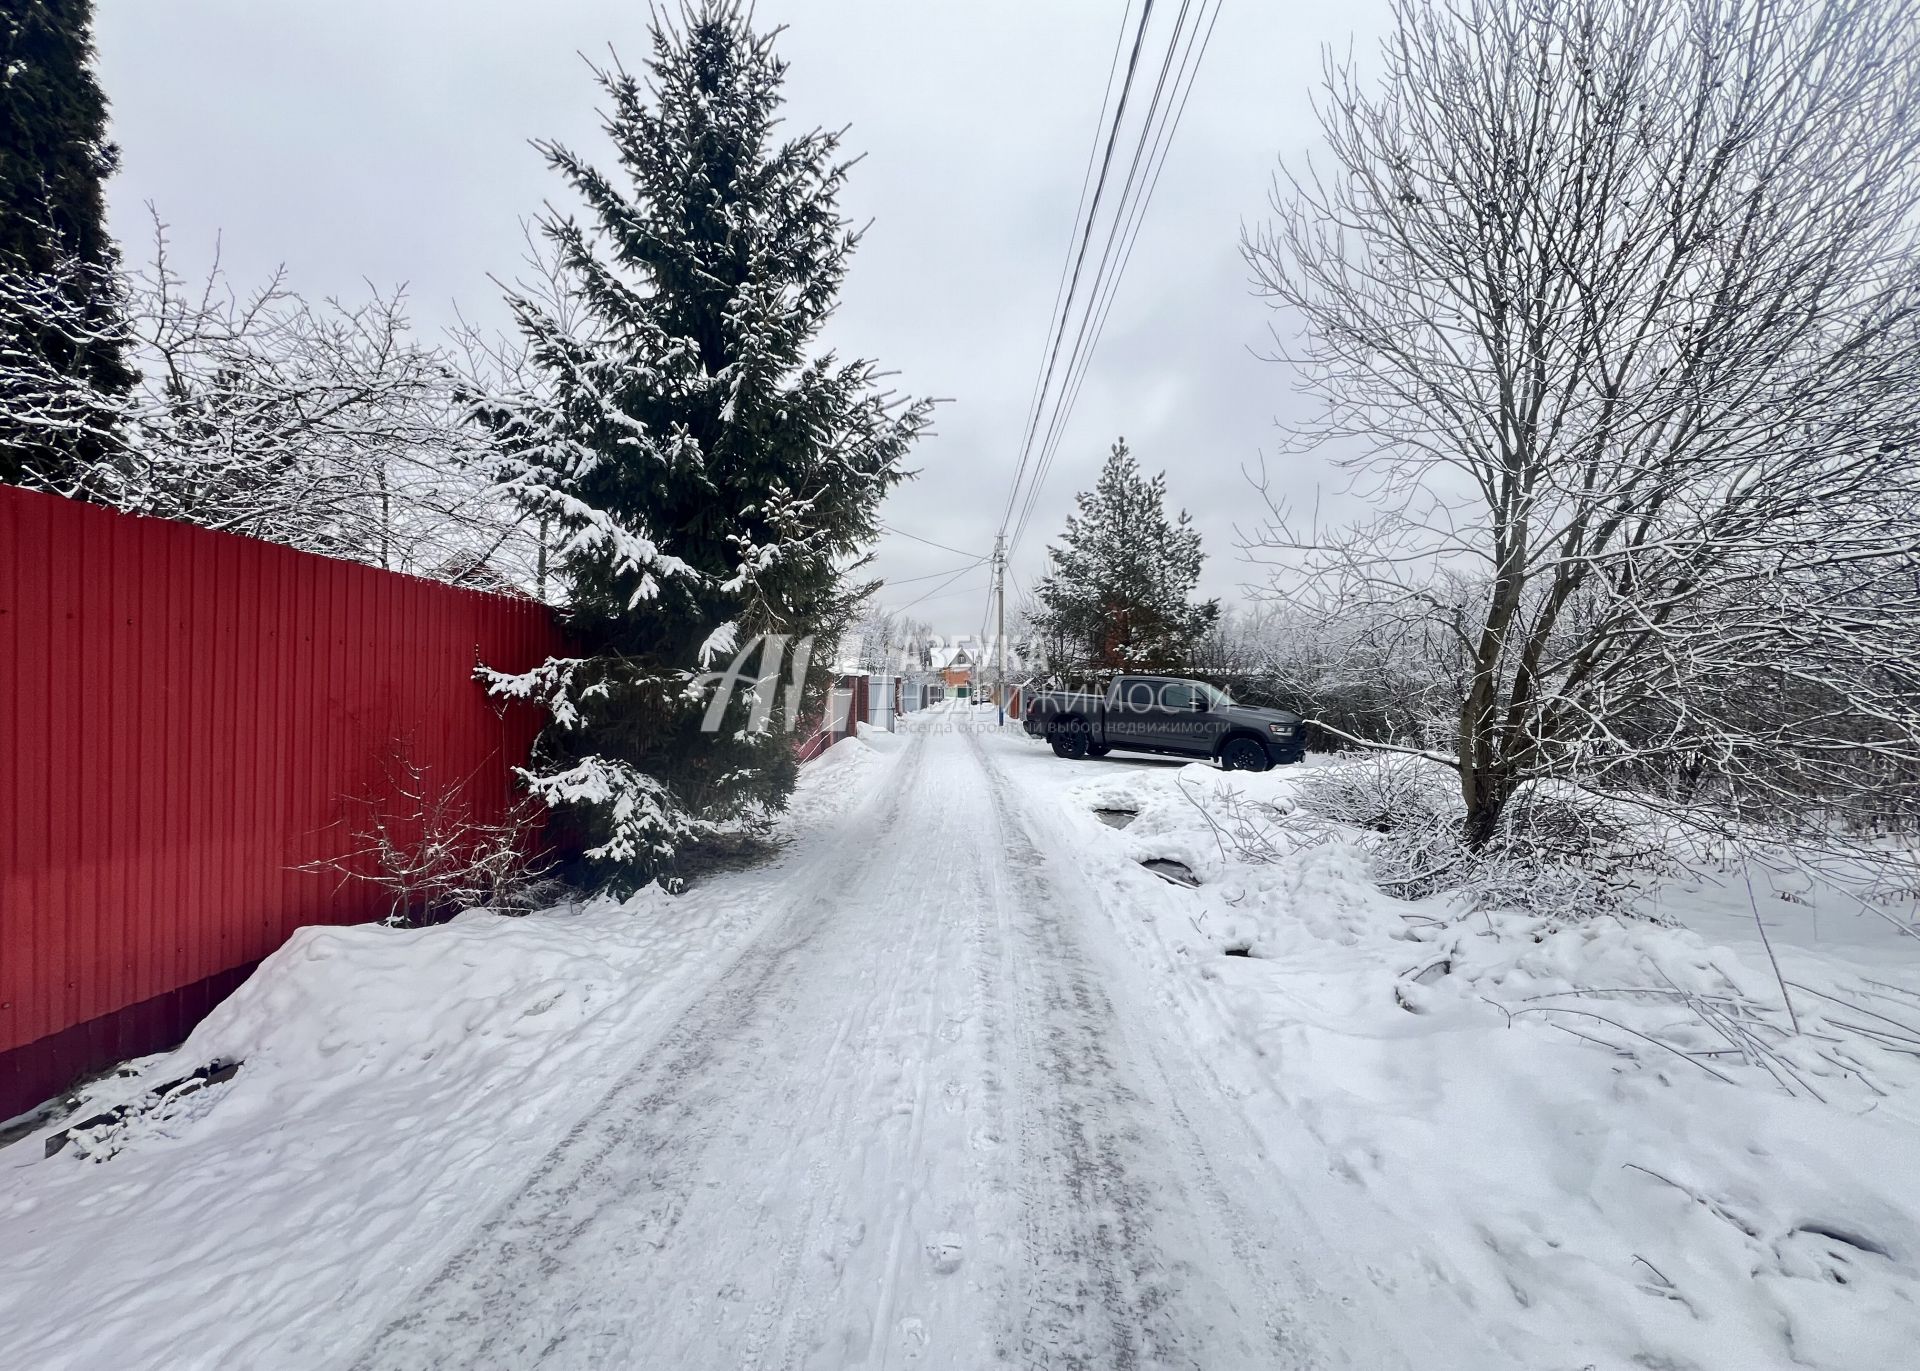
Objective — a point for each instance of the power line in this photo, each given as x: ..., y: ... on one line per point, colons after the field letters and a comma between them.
x: 1150, y: 151
x: 956, y: 551
x: 1058, y: 332
x: 1126, y: 232
x: 1151, y: 144
x: 1124, y: 215
x: 1050, y: 409
x: 1056, y: 313
x: 963, y: 590
x: 936, y: 590
x: 931, y: 575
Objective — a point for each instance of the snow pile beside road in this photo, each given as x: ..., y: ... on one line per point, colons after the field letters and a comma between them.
x: 1606, y: 1132
x: 838, y: 779
x: 384, y: 1073
x: 393, y: 1086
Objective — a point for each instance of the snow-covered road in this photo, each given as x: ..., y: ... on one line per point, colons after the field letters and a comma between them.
x: 916, y: 1118
x: 953, y: 1083
x: 906, y: 1095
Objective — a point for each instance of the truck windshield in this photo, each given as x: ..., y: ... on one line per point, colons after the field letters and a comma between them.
x: 1214, y: 696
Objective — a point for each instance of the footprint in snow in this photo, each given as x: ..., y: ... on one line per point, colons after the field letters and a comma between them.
x: 913, y: 1336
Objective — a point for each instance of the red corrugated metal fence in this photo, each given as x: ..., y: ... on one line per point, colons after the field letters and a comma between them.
x: 845, y: 709
x: 186, y: 719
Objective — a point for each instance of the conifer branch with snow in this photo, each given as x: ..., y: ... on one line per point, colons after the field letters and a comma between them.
x: 64, y: 372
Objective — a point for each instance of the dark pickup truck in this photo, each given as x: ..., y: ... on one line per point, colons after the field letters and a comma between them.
x: 1168, y: 715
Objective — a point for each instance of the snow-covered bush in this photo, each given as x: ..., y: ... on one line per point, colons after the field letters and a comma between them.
x: 1385, y: 792
x: 1558, y: 850
x: 1356, y: 670
x: 331, y: 427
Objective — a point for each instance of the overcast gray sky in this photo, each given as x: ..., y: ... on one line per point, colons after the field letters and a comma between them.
x: 371, y: 139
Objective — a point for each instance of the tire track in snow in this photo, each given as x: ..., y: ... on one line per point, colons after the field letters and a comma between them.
x: 1249, y: 1300
x: 789, y: 1310
x: 630, y: 1153
x: 1096, y: 1295
x: 800, y: 1305
x: 908, y: 1121
x: 924, y: 1195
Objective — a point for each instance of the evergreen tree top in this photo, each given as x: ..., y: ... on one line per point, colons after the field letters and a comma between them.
x: 685, y: 409
x: 1119, y: 585
x: 725, y: 248
x: 54, y: 152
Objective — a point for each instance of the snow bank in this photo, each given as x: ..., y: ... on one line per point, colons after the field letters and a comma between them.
x: 1602, y: 1132
x: 837, y: 780
x: 384, y: 1072
x: 394, y: 1084
x: 877, y: 739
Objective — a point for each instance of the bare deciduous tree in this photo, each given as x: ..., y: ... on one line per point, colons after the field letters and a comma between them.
x: 1614, y: 304
x: 1365, y: 671
x: 883, y: 640
x: 332, y: 428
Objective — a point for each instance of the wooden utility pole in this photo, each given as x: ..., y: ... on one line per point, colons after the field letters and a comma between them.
x: 1000, y: 618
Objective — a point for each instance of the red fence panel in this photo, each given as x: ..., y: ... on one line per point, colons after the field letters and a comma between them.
x: 186, y: 720
x: 845, y: 708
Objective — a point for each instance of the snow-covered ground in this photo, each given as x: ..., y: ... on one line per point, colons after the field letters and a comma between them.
x: 1603, y: 1135
x: 954, y: 1082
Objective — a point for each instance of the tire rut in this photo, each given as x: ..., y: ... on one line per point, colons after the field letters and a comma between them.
x: 1098, y: 1295
x: 1272, y: 1333
x: 631, y: 1152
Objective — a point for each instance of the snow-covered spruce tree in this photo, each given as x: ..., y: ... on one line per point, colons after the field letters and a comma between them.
x: 1118, y: 592
x: 710, y: 477
x: 1617, y: 306
x: 63, y: 365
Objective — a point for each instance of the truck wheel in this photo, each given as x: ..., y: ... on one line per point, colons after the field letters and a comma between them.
x: 1245, y: 754
x: 1070, y: 738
